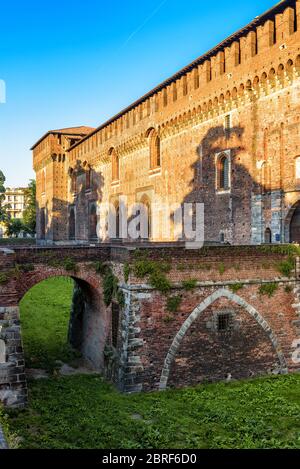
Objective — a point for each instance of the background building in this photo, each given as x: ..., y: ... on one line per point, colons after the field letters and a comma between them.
x: 15, y: 201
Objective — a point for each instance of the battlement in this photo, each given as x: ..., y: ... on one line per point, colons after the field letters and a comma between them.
x: 267, y: 46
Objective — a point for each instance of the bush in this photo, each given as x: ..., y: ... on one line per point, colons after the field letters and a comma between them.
x: 173, y: 303
x: 189, y: 285
x: 127, y: 270
x: 268, y: 289
x: 236, y: 287
x: 159, y: 281
x: 3, y: 278
x: 100, y: 267
x: 69, y: 265
x: 287, y: 267
x: 110, y: 287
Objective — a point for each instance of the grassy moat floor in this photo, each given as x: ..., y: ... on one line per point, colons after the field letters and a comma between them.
x: 84, y: 411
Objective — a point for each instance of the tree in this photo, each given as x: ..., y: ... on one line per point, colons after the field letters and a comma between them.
x: 14, y: 226
x: 30, y: 208
x: 3, y: 216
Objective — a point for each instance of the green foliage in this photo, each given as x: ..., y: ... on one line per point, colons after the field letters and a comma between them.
x: 189, y: 285
x: 26, y: 267
x: 110, y: 286
x: 222, y: 268
x: 159, y: 281
x: 287, y: 267
x: 288, y: 289
x: 236, y: 287
x: 255, y: 414
x: 100, y: 267
x: 30, y: 210
x: 173, y: 303
x: 14, y: 227
x: 127, y: 270
x: 69, y: 265
x: 120, y: 298
x: 3, y: 214
x: 3, y: 278
x: 268, y: 289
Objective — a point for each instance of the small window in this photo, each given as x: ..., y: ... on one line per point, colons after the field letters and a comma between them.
x: 88, y: 179
x: 222, y: 238
x: 115, y: 165
x: 223, y: 173
x: 115, y: 310
x: 154, y: 143
x: 268, y: 236
x: 224, y: 322
x: 227, y: 123
x: 298, y: 168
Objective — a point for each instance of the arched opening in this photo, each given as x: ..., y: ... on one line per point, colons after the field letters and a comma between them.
x: 228, y: 332
x: 42, y: 223
x: 93, y: 220
x: 295, y: 224
x: 155, y: 151
x: 64, y: 323
x: 72, y: 224
x: 147, y: 229
x: 268, y: 236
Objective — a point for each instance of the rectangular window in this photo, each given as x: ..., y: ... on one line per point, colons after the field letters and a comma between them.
x: 224, y: 322
x: 227, y: 123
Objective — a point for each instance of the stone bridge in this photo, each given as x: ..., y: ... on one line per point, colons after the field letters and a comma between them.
x: 159, y: 316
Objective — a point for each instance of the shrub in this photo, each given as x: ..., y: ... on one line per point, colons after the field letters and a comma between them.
x: 222, y: 268
x: 286, y: 267
x: 236, y: 287
x: 159, y: 281
x: 100, y: 267
x: 127, y: 270
x: 189, y: 284
x: 69, y: 265
x: 288, y: 289
x: 3, y: 278
x: 120, y: 298
x: 268, y: 289
x: 110, y: 287
x: 173, y: 303
x: 27, y: 267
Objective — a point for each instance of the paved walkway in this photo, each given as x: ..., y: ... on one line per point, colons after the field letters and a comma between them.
x: 3, y: 444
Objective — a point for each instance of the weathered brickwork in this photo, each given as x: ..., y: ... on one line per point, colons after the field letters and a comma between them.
x: 241, y: 99
x: 240, y: 317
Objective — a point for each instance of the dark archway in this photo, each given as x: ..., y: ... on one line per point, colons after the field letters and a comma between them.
x: 72, y: 225
x: 295, y: 225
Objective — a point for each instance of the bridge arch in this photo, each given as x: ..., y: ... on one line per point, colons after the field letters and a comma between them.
x: 89, y: 322
x: 198, y: 311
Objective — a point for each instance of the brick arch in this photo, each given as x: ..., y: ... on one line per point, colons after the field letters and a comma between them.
x: 197, y: 313
x: 42, y: 272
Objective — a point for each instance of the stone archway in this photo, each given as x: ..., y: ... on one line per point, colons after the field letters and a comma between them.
x: 294, y: 224
x: 197, y: 313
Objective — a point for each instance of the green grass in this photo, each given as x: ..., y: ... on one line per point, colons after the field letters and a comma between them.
x: 86, y: 412
x: 45, y: 314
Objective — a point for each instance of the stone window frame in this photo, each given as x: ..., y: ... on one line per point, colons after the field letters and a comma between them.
x: 218, y: 156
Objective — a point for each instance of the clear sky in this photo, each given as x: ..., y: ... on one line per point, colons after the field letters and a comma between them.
x: 67, y: 63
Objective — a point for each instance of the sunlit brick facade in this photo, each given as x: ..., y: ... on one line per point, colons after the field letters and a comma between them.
x: 223, y: 131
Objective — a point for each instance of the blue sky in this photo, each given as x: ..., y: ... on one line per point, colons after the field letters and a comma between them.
x: 68, y: 63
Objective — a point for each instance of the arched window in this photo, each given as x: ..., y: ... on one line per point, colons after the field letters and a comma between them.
x: 298, y: 169
x: 117, y: 215
x: 154, y: 144
x: 88, y: 179
x: 268, y: 236
x: 42, y: 224
x: 43, y: 184
x: 223, y: 173
x: 72, y: 223
x: 115, y: 165
x: 148, y: 214
x: 93, y: 220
